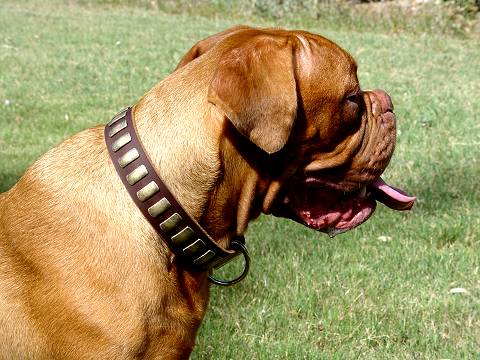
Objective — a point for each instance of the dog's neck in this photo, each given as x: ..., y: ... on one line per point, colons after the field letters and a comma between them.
x: 165, y: 130
x: 196, y: 168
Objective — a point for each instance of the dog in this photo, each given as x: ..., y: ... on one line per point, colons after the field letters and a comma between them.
x: 251, y: 121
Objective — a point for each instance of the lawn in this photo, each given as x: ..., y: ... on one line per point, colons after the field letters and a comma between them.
x: 382, y: 291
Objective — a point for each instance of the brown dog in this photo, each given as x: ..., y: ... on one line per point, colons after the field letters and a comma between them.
x: 252, y: 121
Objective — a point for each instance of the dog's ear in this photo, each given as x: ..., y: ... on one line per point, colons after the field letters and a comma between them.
x: 254, y: 85
x: 204, y: 45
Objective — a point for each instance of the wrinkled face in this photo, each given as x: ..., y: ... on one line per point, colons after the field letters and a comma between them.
x: 296, y: 97
x: 337, y: 186
x: 347, y: 137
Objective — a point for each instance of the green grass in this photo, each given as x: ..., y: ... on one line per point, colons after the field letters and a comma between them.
x: 379, y: 292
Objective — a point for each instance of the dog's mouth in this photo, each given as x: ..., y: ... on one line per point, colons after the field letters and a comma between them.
x: 324, y: 207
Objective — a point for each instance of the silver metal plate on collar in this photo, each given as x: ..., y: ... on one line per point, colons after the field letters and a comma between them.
x: 147, y: 191
x: 171, y: 223
x: 159, y: 207
x: 127, y: 158
x: 183, y: 237
x: 137, y: 174
x: 123, y: 140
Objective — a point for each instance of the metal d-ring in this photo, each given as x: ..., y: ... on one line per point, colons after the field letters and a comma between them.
x: 238, y: 247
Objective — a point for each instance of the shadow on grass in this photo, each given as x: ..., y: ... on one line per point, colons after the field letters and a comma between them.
x: 448, y: 186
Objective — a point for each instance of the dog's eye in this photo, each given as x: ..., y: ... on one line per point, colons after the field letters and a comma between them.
x: 352, y: 106
x: 354, y: 98
x: 353, y: 101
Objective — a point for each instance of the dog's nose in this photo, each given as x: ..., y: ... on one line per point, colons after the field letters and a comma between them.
x: 384, y: 100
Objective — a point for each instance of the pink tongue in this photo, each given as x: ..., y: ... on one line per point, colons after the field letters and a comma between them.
x: 392, y: 197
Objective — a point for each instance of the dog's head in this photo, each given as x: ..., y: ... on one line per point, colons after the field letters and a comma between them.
x: 296, y: 98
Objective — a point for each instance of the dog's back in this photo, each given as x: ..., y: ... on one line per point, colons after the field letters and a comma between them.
x: 32, y: 264
x: 74, y: 255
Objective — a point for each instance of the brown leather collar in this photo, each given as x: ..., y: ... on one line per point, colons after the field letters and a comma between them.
x: 192, y: 246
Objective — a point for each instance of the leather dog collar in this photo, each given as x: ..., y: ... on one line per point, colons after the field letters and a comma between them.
x: 192, y: 246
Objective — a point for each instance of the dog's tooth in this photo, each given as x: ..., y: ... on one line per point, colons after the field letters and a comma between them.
x: 121, y: 141
x: 332, y: 232
x: 128, y: 157
x: 147, y: 191
x: 363, y: 192
x: 137, y: 174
